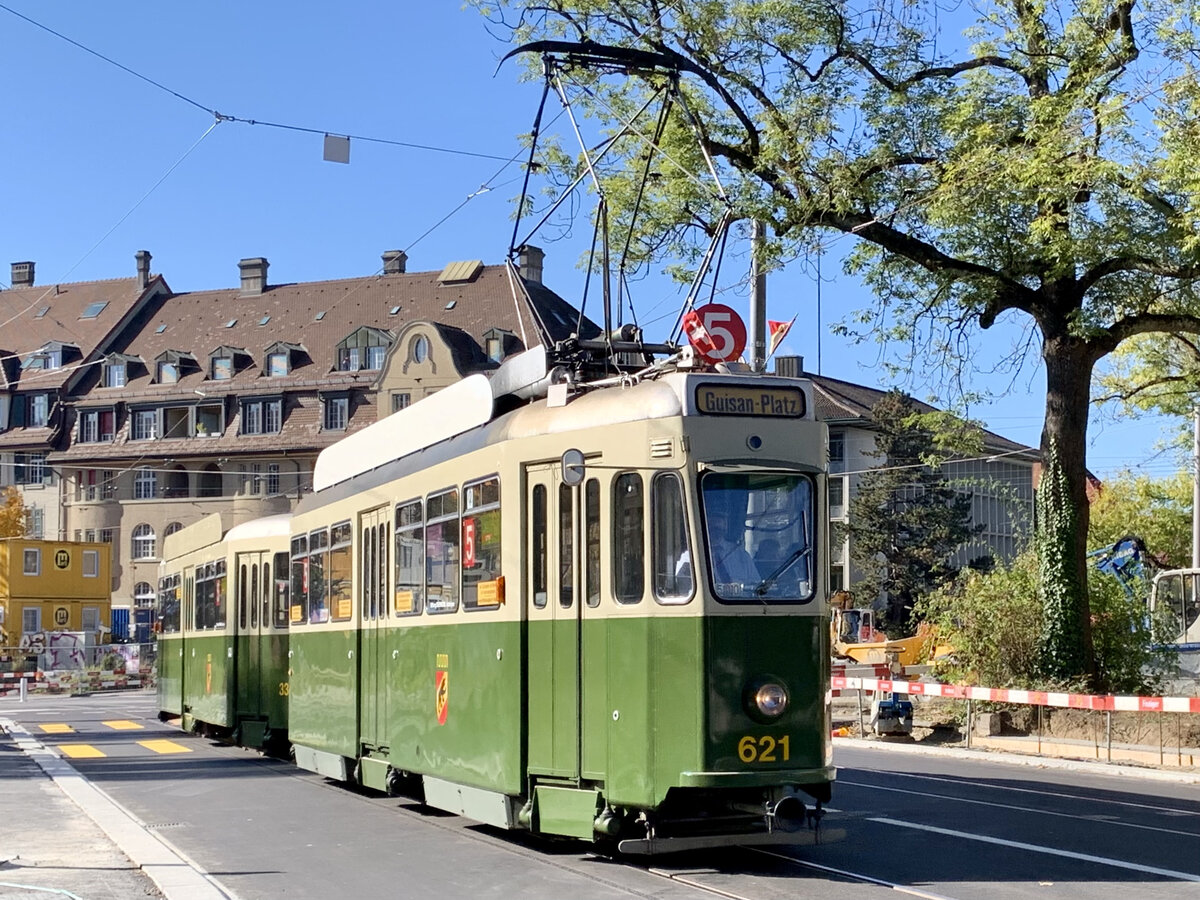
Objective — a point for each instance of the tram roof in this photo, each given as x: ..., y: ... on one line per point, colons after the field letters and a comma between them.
x: 268, y: 526
x: 459, y: 419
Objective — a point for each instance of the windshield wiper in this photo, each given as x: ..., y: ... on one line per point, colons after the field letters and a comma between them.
x: 796, y: 556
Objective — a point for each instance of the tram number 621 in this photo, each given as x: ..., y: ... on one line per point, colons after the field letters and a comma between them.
x: 763, y: 749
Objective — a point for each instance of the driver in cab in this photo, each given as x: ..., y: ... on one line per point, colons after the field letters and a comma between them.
x: 732, y: 564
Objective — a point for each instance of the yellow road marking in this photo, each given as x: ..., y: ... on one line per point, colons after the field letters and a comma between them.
x: 81, y: 751
x: 123, y: 725
x: 57, y: 728
x: 163, y: 746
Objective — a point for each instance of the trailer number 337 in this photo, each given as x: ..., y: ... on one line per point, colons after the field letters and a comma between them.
x: 763, y: 749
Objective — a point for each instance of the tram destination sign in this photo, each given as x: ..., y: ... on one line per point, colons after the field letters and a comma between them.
x: 749, y: 400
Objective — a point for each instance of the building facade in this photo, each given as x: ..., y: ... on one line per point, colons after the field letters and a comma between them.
x: 142, y: 410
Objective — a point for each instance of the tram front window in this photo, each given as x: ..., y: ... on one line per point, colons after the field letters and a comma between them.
x: 758, y: 528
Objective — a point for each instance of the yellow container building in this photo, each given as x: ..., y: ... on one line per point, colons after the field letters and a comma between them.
x: 53, y: 586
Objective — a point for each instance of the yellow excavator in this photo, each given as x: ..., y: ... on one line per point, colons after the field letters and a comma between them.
x: 853, y: 636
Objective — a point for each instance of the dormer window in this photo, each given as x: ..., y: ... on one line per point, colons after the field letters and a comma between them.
x: 277, y: 364
x: 367, y: 348
x: 171, y: 365
x: 225, y: 362
x: 50, y: 356
x: 115, y: 374
x: 496, y: 343
x: 116, y: 370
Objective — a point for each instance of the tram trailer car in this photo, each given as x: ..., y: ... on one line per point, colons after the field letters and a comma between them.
x: 623, y: 642
x: 223, y: 630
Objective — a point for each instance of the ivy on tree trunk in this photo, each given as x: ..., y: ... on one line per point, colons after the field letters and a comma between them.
x: 1065, y: 646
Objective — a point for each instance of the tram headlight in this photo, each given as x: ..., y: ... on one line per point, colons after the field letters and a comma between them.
x: 771, y: 699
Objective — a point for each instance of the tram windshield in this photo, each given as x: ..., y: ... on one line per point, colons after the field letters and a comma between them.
x: 758, y: 529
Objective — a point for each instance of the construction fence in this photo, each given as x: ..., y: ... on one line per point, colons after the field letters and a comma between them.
x: 67, y: 663
x: 1154, y: 731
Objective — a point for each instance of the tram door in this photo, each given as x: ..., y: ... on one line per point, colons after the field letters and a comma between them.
x: 374, y: 536
x: 253, y: 576
x: 554, y: 610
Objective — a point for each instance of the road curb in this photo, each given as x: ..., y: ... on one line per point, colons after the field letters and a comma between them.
x: 175, y: 875
x: 1020, y: 759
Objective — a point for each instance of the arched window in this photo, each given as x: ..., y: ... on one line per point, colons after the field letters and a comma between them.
x: 143, y: 595
x: 175, y: 482
x: 172, y: 528
x: 143, y: 542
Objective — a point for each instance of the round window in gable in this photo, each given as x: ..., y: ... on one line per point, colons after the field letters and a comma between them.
x: 420, y: 348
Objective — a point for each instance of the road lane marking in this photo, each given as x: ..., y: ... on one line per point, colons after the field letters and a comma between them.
x: 123, y: 725
x: 1169, y: 810
x: 856, y: 876
x: 1015, y: 808
x: 56, y: 728
x: 165, y: 746
x: 1037, y: 848
x: 81, y: 751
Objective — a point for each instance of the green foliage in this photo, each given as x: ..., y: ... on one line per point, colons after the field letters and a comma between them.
x: 994, y: 623
x: 905, y: 520
x: 1064, y: 649
x: 1158, y: 510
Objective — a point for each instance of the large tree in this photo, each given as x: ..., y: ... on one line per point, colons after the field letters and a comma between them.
x: 905, y: 518
x: 1032, y: 160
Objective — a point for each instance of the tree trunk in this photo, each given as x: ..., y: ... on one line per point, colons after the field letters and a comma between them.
x: 1066, y: 651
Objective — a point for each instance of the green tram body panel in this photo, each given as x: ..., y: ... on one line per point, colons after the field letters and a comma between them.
x: 662, y: 700
x: 323, y: 690
x: 208, y: 678
x: 170, y: 674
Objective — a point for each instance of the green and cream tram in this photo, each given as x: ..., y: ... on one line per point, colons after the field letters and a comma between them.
x: 601, y: 614
x: 222, y: 629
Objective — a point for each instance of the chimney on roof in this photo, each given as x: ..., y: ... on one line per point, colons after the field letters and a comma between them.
x: 789, y: 366
x: 529, y: 263
x: 395, y: 262
x: 22, y: 274
x: 254, y: 275
x: 142, y: 257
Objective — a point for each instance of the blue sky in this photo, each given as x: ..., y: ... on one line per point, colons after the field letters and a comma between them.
x: 98, y: 164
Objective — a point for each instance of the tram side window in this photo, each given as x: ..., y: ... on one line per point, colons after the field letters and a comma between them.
x: 338, y: 575
x: 381, y: 571
x: 628, y: 538
x: 265, y: 596
x: 281, y: 590
x: 566, y: 546
x: 410, y: 559
x: 299, y: 609
x: 211, y: 596
x: 318, y: 571
x: 441, y: 552
x: 672, y: 553
x: 168, y: 604
x: 538, y: 551
x: 242, y: 586
x: 591, y: 500
x: 482, y: 582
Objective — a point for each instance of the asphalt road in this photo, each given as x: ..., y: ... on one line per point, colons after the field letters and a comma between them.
x: 926, y: 826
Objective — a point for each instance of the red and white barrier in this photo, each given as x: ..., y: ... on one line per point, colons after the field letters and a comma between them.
x: 1008, y: 695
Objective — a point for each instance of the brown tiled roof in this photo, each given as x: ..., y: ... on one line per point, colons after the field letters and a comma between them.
x: 846, y: 402
x: 200, y: 322
x: 23, y: 331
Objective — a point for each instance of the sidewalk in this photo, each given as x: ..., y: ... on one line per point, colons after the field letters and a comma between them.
x: 62, y: 835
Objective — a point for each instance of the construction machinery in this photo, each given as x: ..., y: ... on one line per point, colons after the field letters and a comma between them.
x: 853, y: 636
